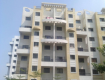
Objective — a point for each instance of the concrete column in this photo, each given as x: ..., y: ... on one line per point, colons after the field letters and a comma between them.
x: 53, y: 72
x: 54, y: 13
x: 54, y: 30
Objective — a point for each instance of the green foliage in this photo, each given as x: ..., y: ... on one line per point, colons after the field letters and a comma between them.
x: 100, y: 67
x: 11, y: 79
x: 57, y: 77
x: 36, y: 74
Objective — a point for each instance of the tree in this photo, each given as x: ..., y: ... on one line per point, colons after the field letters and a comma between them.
x: 11, y: 79
x: 35, y: 74
x: 57, y: 77
x: 100, y: 67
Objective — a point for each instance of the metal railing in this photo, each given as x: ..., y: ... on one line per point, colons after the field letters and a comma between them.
x: 60, y: 18
x: 83, y: 50
x: 47, y: 60
x: 80, y: 29
x: 48, y: 37
x: 60, y: 37
x: 84, y: 74
x: 60, y: 60
x: 24, y: 47
x: 26, y: 26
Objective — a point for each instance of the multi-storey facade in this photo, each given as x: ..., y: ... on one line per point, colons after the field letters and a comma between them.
x: 12, y: 56
x: 57, y: 40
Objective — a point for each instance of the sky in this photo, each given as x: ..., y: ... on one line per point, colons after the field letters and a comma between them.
x: 11, y: 15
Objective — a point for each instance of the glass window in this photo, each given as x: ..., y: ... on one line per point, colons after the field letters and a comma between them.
x: 94, y: 59
x: 72, y: 57
x: 59, y: 70
x: 47, y: 47
x: 90, y: 29
x: 102, y: 19
x: 23, y: 58
x: 36, y: 44
x: 15, y: 50
x: 17, y: 39
x: 81, y: 60
x: 59, y: 47
x: 46, y: 70
x: 28, y: 26
x: 91, y: 39
x: 34, y: 68
x: 13, y: 72
x: 90, y: 20
x: 16, y: 44
x: 33, y: 79
x: 73, y: 69
x: 22, y: 70
x: 59, y: 37
x: 103, y: 37
x: 70, y: 15
x: 93, y: 49
x: 28, y: 18
x: 46, y: 58
x: 15, y: 55
x: 71, y: 45
x: 26, y: 37
x: 78, y: 21
x: 95, y: 71
x: 25, y: 46
x: 36, y: 33
x: 13, y: 67
x: 47, y: 27
x: 71, y: 34
x: 80, y: 49
x: 81, y: 71
x: 14, y: 61
x: 70, y: 25
x: 59, y: 28
x: 79, y: 39
x: 36, y: 23
x: 35, y: 55
x: 103, y: 28
x: 37, y: 13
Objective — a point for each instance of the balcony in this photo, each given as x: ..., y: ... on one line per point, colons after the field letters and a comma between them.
x: 9, y: 53
x: 8, y: 64
x: 52, y: 20
x: 83, y: 52
x: 60, y: 59
x: 50, y: 39
x: 81, y: 31
x: 16, y: 76
x: 25, y: 29
x: 25, y: 49
x: 11, y: 43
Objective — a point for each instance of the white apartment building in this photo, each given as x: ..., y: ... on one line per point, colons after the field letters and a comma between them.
x: 57, y: 40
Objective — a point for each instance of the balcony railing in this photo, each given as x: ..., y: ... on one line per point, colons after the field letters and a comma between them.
x: 48, y: 37
x: 51, y: 37
x: 81, y: 29
x: 60, y: 37
x: 84, y: 74
x: 47, y: 60
x: 83, y: 50
x: 60, y: 59
x: 26, y: 26
x: 24, y: 47
x: 60, y: 18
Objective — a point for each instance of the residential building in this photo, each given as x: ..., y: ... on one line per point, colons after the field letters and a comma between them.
x: 57, y: 40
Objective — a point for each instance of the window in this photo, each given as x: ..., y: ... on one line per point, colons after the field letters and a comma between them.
x: 15, y: 55
x: 34, y: 68
x: 13, y: 72
x: 102, y: 20
x: 93, y: 49
x: 23, y: 58
x: 46, y: 70
x: 14, y: 61
x: 36, y: 33
x: 36, y: 23
x: 28, y: 18
x: 95, y: 71
x: 33, y: 79
x: 47, y: 47
x: 78, y: 21
x: 71, y: 45
x: 81, y: 71
x: 59, y: 70
x: 71, y: 34
x: 59, y: 37
x: 25, y: 46
x: 90, y: 29
x: 103, y: 28
x: 94, y: 59
x: 22, y: 70
x: 13, y: 67
x: 79, y: 39
x: 35, y: 55
x: 70, y: 25
x: 15, y: 50
x: 59, y: 47
x: 90, y: 20
x: 60, y: 59
x: 91, y: 39
x: 46, y: 58
x: 47, y: 27
x: 80, y: 49
x: 16, y: 44
x: 28, y: 26
x: 81, y: 60
x: 103, y: 37
x: 37, y: 13
x: 70, y: 15
x: 36, y: 44
x: 72, y: 57
x: 59, y: 28
x: 73, y: 69
x: 26, y: 37
x: 17, y: 39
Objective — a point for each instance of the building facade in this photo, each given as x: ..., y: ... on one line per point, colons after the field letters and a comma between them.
x: 57, y: 40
